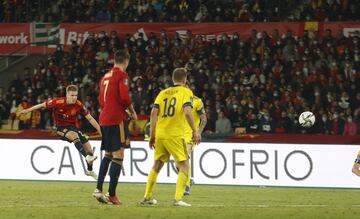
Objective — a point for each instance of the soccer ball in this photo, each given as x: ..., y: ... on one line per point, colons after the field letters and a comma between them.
x: 307, y: 119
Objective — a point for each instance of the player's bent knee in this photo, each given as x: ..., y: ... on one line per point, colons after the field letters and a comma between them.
x: 183, y: 165
x: 72, y: 136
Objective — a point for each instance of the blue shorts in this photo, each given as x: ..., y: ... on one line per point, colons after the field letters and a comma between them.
x: 66, y: 129
x: 115, y: 137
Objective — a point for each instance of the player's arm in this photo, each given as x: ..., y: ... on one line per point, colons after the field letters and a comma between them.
x: 36, y: 107
x: 190, y: 120
x: 203, y: 122
x: 153, y: 121
x: 124, y: 92
x: 203, y: 119
x: 132, y: 112
x: 125, y: 97
x: 93, y: 122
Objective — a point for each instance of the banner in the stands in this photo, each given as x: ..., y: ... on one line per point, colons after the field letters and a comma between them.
x: 15, y: 37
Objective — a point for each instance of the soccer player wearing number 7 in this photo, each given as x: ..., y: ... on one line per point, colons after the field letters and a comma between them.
x: 114, y: 101
x: 170, y: 113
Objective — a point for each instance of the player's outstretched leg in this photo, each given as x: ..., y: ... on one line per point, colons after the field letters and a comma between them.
x: 90, y: 158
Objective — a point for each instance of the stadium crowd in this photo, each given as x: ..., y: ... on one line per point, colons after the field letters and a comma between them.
x: 178, y: 10
x: 260, y: 84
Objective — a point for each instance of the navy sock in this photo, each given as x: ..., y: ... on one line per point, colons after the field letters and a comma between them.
x: 115, y: 169
x: 104, y: 166
x: 79, y: 147
x: 89, y: 167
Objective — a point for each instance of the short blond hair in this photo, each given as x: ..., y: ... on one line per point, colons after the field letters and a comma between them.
x: 71, y: 88
x: 179, y: 74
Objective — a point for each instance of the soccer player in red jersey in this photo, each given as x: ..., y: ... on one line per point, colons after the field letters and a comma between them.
x: 114, y: 102
x: 65, y: 112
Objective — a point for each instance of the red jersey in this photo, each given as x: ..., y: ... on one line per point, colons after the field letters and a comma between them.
x: 65, y: 114
x: 114, y: 97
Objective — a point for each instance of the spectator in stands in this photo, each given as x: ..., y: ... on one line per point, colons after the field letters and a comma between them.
x: 223, y: 124
x: 24, y: 120
x: 280, y: 75
x: 103, y: 15
x: 253, y: 124
x: 324, y: 124
x: 178, y: 11
x: 266, y: 123
x: 350, y: 128
x: 3, y: 109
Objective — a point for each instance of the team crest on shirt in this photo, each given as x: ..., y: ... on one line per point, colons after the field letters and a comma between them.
x: 126, y: 81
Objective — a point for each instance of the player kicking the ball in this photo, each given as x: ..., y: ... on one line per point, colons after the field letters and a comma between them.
x: 65, y: 112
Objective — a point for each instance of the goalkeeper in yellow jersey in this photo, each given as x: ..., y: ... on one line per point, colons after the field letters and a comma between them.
x: 171, y: 113
x: 200, y: 121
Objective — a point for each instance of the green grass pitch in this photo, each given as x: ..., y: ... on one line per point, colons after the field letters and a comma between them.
x: 47, y: 199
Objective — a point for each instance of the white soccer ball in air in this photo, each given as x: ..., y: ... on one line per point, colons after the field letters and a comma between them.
x: 307, y: 119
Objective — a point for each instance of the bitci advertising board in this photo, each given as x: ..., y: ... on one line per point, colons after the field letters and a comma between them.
x: 296, y: 165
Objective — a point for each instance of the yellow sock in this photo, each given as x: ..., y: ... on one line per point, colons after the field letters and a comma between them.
x: 189, y: 176
x: 180, y: 185
x: 150, y: 186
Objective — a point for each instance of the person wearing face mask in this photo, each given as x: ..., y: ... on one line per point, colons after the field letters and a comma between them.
x: 323, y: 125
x: 350, y: 128
x: 138, y: 96
x: 102, y: 38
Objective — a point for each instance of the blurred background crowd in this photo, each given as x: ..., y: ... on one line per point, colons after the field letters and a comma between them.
x: 260, y: 84
x: 178, y: 10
